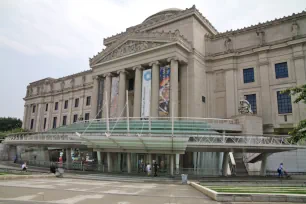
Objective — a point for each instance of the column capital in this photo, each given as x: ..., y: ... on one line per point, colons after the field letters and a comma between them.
x: 140, y: 67
x: 122, y: 71
x: 96, y: 77
x: 155, y: 62
x: 172, y: 58
x: 108, y: 74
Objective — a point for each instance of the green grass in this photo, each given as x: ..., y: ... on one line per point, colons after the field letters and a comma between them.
x: 2, y: 173
x: 259, y: 189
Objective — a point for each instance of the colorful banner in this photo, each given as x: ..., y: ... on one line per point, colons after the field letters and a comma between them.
x: 114, y: 97
x: 146, y: 93
x: 164, y: 91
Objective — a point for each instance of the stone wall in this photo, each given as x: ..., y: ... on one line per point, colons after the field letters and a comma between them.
x: 4, y: 152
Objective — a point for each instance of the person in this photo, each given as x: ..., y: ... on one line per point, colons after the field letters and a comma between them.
x: 155, y: 166
x: 24, y: 166
x: 15, y: 159
x: 148, y: 169
x: 280, y: 170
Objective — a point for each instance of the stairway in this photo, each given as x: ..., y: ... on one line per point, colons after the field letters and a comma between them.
x: 240, y: 166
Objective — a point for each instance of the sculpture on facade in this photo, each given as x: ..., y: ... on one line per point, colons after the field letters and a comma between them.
x: 228, y: 44
x: 261, y: 37
x: 295, y: 29
x: 244, y: 107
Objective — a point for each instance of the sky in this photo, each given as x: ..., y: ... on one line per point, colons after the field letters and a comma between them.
x: 55, y: 38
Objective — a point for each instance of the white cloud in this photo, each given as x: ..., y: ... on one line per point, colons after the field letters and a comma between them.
x: 4, y: 41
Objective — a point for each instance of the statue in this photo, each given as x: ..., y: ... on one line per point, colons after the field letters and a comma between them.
x: 244, y: 107
x: 295, y: 29
x: 261, y: 37
x: 228, y: 45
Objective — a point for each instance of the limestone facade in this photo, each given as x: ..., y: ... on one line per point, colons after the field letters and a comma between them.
x: 206, y: 71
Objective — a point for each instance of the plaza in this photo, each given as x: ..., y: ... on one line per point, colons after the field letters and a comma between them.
x: 173, y: 90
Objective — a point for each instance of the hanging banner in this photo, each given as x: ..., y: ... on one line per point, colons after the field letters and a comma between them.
x: 164, y: 91
x: 114, y: 96
x: 146, y: 93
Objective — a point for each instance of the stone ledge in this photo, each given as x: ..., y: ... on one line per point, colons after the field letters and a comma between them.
x: 245, y: 197
x: 12, y: 177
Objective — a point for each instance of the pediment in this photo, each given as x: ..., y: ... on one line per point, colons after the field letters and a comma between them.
x: 138, y: 42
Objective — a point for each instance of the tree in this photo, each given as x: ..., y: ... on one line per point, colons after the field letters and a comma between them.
x: 298, y: 134
x: 7, y: 124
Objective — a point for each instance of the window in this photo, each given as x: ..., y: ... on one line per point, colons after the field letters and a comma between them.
x: 131, y: 84
x: 64, y: 120
x: 54, y: 122
x: 75, y: 118
x: 252, y: 100
x: 248, y: 75
x: 56, y: 106
x: 281, y: 70
x: 34, y: 107
x: 284, y: 103
x: 86, y: 116
x: 66, y: 104
x: 46, y: 107
x: 88, y: 100
x: 32, y: 124
x: 76, y: 102
x: 45, y: 123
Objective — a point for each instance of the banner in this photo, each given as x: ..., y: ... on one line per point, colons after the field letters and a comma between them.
x: 146, y: 93
x: 114, y: 97
x: 164, y: 91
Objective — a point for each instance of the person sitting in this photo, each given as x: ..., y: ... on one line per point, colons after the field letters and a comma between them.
x: 24, y: 166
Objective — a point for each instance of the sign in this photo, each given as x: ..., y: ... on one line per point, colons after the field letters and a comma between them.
x: 146, y: 93
x: 164, y: 91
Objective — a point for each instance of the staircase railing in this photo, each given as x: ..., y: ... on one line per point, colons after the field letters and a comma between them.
x: 232, y: 163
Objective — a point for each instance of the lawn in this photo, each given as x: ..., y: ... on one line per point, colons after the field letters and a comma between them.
x: 2, y: 173
x: 260, y: 189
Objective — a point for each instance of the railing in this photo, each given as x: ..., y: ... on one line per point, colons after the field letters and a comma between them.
x: 232, y: 163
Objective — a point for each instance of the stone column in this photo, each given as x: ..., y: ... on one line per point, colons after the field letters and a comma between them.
x: 149, y: 159
x: 263, y: 65
x: 25, y: 117
x: 225, y: 163
x: 172, y: 165
x: 122, y: 91
x: 154, y: 89
x: 230, y: 93
x: 109, y: 162
x: 60, y: 107
x: 299, y: 65
x: 38, y: 118
x: 177, y: 163
x: 68, y: 158
x: 107, y: 92
x: 137, y: 91
x: 173, y: 87
x: 70, y: 106
x: 94, y: 97
x: 129, y: 166
x: 263, y: 167
x: 81, y: 106
x: 99, y: 160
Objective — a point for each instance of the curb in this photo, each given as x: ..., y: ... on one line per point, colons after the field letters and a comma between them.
x: 245, y: 197
x: 12, y: 177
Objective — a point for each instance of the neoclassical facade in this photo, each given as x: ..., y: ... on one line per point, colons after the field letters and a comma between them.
x: 209, y: 73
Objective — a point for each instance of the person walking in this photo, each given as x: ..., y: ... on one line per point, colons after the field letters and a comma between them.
x: 148, y: 168
x: 280, y: 170
x: 155, y: 167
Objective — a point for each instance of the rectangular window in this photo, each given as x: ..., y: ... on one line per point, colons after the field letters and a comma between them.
x: 34, y: 107
x: 56, y: 106
x: 131, y: 84
x: 54, y: 122
x: 64, y: 120
x: 86, y: 116
x: 281, y: 70
x: 46, y: 107
x: 248, y: 75
x: 32, y: 124
x: 284, y: 103
x: 45, y: 123
x: 251, y: 98
x: 66, y: 104
x: 76, y: 102
x: 75, y: 118
x: 88, y: 98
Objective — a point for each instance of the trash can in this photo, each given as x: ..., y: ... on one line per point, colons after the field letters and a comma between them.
x: 184, y: 178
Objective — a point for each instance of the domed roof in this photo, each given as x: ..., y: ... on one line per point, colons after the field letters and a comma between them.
x: 166, y: 12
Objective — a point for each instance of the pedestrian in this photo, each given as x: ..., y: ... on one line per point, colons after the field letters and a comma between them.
x: 155, y: 166
x: 15, y: 159
x: 24, y: 167
x: 280, y: 170
x: 148, y: 169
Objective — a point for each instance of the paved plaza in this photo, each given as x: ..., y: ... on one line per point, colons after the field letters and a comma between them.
x: 79, y: 191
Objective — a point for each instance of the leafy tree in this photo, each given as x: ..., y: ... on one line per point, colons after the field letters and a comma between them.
x: 7, y: 124
x: 299, y: 132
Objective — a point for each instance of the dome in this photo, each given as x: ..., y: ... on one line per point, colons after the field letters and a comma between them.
x: 166, y: 12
